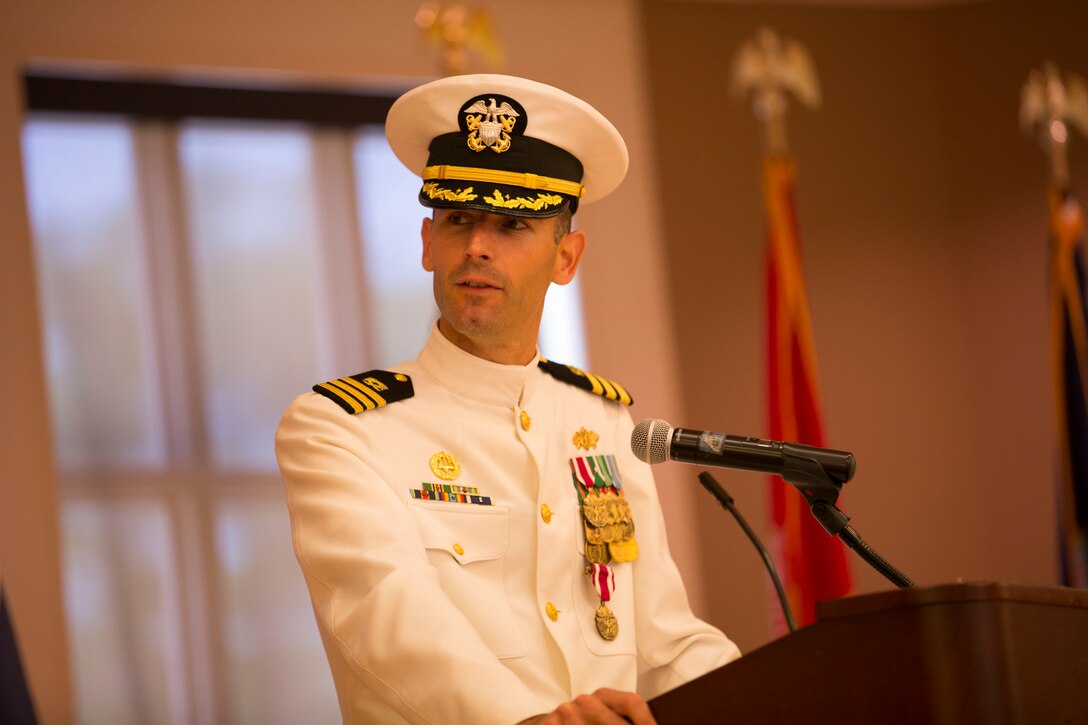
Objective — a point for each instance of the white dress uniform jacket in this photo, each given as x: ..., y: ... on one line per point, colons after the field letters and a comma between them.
x: 442, y: 612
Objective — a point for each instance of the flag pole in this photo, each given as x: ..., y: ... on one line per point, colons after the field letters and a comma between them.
x: 771, y: 70
x: 1054, y: 105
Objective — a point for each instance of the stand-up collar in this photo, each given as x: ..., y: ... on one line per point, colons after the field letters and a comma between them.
x: 473, y: 377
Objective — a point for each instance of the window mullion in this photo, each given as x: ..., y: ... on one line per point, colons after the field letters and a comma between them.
x: 171, y: 292
x: 345, y: 332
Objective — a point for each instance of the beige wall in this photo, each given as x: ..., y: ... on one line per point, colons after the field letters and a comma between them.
x: 591, y: 49
x: 923, y: 218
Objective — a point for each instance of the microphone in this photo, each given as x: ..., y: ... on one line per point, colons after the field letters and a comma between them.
x: 655, y: 441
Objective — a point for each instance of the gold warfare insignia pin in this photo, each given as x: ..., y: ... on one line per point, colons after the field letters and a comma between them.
x: 490, y: 125
x: 585, y: 439
x: 445, y: 466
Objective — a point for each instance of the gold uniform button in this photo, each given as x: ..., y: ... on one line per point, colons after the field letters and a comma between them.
x: 551, y: 611
x: 459, y: 549
x: 546, y: 513
x: 526, y: 421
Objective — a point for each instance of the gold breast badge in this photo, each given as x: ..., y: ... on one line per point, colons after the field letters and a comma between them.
x: 445, y: 466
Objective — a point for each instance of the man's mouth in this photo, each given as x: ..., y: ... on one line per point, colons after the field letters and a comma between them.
x: 477, y: 284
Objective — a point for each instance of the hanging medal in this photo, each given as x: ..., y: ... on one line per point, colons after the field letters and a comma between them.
x: 605, y: 583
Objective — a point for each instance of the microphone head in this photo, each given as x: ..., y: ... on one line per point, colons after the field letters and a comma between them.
x: 650, y: 440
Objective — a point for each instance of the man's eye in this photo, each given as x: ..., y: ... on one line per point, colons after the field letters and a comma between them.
x: 515, y: 223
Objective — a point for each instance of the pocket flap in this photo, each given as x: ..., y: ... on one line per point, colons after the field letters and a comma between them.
x: 465, y: 535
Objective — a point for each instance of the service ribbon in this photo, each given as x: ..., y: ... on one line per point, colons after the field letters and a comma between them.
x: 604, y: 580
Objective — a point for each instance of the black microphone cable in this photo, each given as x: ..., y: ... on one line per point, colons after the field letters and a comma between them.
x: 711, y: 484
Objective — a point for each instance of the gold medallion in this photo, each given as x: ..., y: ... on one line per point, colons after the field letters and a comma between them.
x: 607, y: 626
x: 595, y: 509
x: 625, y: 510
x: 623, y: 551
x: 585, y: 439
x: 598, y: 554
x: 445, y: 466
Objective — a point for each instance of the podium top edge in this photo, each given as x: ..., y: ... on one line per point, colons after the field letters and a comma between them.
x: 951, y: 593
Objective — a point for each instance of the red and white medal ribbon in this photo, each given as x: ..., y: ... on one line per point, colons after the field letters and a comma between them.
x: 604, y: 581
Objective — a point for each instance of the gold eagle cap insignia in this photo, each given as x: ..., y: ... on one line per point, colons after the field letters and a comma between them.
x: 490, y: 125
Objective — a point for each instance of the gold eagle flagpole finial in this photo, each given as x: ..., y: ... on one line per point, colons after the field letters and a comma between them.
x: 459, y: 33
x: 1053, y: 105
x: 770, y: 68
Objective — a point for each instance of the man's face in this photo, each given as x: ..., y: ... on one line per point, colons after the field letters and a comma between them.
x: 491, y: 273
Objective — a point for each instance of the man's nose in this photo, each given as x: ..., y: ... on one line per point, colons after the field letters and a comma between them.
x: 480, y: 241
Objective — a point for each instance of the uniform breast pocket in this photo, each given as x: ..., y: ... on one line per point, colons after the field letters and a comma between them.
x: 467, y: 549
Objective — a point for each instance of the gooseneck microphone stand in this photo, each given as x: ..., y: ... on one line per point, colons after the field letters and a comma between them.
x: 820, y: 488
x: 834, y: 522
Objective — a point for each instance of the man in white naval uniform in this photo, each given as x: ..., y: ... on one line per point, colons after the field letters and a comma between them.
x: 479, y: 543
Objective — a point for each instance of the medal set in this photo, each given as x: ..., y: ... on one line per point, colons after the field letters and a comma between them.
x: 609, y: 529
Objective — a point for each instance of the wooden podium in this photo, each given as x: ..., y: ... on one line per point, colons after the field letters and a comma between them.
x: 954, y: 653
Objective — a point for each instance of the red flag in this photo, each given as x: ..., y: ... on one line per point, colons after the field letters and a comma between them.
x: 1070, y: 359
x: 812, y: 564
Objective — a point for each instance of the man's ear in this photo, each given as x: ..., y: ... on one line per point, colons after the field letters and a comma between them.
x: 425, y: 234
x: 571, y: 248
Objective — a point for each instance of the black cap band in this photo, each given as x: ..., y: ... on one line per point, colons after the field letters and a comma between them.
x: 525, y: 155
